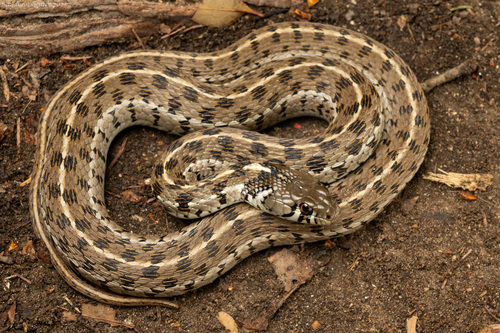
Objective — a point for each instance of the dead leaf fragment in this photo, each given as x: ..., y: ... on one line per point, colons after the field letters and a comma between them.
x: 100, y: 312
x: 69, y: 316
x: 12, y: 313
x: 132, y: 196
x: 469, y: 182
x: 3, y: 131
x: 401, y: 22
x: 44, y: 62
x: 468, y: 196
x: 12, y: 246
x: 302, y: 14
x: 228, y: 322
x: 495, y: 328
x: 218, y: 13
x: 28, y: 249
x: 292, y: 268
x: 411, y: 324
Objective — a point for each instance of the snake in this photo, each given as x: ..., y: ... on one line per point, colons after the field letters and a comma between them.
x: 243, y: 190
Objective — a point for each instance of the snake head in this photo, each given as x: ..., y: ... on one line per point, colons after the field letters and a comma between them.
x: 293, y: 195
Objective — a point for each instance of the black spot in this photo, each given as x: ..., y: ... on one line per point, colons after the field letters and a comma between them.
x: 225, y: 103
x: 101, y: 243
x: 170, y: 282
x: 111, y: 264
x: 100, y: 74
x: 365, y: 51
x: 316, y: 164
x: 150, y: 272
x: 183, y: 264
x: 354, y: 147
x: 69, y: 196
x: 82, y: 109
x: 74, y: 97
x: 171, y: 72
x: 357, y: 127
x: 315, y: 71
x: 127, y: 78
x: 70, y: 163
x: 293, y: 154
x: 160, y: 82
x: 342, y: 41
x: 136, y: 65
x: 258, y: 92
x: 257, y: 148
x: 117, y: 96
x: 386, y: 66
x: 190, y: 94
x: 329, y: 145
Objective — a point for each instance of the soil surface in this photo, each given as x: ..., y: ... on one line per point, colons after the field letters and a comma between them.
x: 431, y: 254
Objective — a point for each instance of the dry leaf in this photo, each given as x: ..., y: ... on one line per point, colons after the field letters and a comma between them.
x: 228, y: 322
x: 495, y: 328
x: 132, y: 196
x: 401, y: 22
x: 44, y: 62
x: 290, y: 267
x: 468, y: 196
x: 69, y: 316
x: 12, y: 246
x: 99, y: 312
x: 12, y: 313
x: 217, y: 13
x: 28, y: 248
x: 470, y: 182
x: 411, y: 324
x: 104, y: 313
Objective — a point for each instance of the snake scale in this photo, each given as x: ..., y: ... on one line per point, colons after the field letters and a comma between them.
x: 376, y: 138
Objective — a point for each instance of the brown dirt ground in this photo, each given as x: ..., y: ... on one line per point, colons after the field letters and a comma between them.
x: 375, y: 279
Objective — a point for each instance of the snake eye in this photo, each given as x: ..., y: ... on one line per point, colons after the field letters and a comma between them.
x: 305, y: 209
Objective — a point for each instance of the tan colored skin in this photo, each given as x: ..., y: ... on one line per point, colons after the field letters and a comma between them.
x: 172, y: 91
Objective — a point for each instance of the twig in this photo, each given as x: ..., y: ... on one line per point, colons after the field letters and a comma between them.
x: 465, y: 68
x: 21, y: 68
x: 114, y: 194
x: 273, y: 3
x: 445, y: 276
x: 68, y: 58
x: 486, y: 45
x: 181, y: 29
x: 491, y: 313
x: 118, y: 155
x: 18, y: 135
x: 6, y: 91
x: 411, y: 34
x: 138, y: 39
x: 22, y: 277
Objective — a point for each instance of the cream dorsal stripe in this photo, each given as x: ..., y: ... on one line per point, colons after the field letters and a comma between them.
x: 376, y: 138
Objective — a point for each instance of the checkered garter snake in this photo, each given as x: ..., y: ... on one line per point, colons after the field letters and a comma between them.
x: 370, y: 98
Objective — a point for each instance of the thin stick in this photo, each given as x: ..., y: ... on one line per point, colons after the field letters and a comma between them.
x: 138, y: 39
x: 118, y: 155
x: 6, y: 91
x: 22, y: 277
x: 465, y: 68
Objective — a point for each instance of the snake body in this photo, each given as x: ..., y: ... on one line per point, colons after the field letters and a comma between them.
x: 376, y: 139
